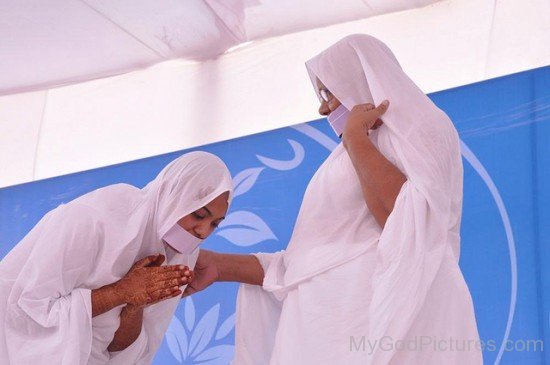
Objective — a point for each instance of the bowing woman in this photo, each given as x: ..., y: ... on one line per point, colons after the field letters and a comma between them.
x: 98, y: 279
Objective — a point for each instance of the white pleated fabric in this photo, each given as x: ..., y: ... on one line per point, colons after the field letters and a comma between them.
x: 345, y: 291
x: 47, y: 279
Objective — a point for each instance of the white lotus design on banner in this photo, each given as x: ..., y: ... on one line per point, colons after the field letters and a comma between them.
x: 194, y: 342
x: 244, y: 228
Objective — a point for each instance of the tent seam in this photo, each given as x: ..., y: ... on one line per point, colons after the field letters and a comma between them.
x: 133, y: 36
x: 39, y: 137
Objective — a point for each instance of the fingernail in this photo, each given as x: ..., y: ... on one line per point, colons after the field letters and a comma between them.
x: 385, y: 103
x: 181, y: 267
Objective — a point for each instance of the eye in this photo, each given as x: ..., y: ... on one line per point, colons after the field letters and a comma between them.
x: 197, y: 215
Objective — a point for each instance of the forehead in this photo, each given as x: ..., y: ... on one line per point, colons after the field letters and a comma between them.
x: 219, y: 205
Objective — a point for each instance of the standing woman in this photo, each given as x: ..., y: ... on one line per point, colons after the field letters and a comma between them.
x: 87, y: 284
x: 370, y: 275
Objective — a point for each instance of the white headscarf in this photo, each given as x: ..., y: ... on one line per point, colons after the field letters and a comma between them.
x: 46, y: 280
x: 419, y: 139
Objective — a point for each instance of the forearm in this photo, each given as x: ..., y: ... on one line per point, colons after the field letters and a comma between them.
x: 375, y: 205
x: 131, y: 319
x: 380, y: 180
x: 241, y: 268
x: 105, y: 298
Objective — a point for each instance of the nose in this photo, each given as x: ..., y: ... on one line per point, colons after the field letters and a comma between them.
x: 202, y: 230
x: 324, y: 109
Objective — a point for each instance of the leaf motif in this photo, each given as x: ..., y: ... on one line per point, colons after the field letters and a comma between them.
x: 245, y: 180
x: 204, y: 331
x: 244, y: 228
x: 176, y: 338
x: 217, y: 355
x: 189, y: 313
x: 226, y: 327
x: 329, y: 143
x: 299, y: 154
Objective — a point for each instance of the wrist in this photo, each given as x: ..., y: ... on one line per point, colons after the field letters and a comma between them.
x: 131, y: 309
x: 352, y: 136
x: 217, y: 262
x: 117, y: 292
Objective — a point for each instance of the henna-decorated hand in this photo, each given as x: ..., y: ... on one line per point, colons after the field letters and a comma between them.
x: 147, y: 282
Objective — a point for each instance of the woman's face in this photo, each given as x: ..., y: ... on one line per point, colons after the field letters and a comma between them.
x: 329, y: 106
x: 202, y: 222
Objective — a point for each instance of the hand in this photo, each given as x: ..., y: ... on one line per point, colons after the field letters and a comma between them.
x: 147, y: 282
x: 205, y: 273
x: 365, y: 117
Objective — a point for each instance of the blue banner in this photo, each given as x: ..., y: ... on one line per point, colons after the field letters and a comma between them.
x: 503, y: 124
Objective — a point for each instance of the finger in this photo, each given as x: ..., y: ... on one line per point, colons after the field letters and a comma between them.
x: 146, y: 261
x: 160, y: 259
x: 377, y: 124
x: 177, y: 293
x: 382, y: 108
x: 173, y: 293
x: 164, y: 284
x: 163, y: 294
x: 174, y: 282
x: 163, y: 276
x: 368, y: 106
x: 188, y: 291
x: 170, y: 268
x: 191, y: 276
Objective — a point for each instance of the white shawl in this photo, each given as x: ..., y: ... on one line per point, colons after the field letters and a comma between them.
x: 47, y: 279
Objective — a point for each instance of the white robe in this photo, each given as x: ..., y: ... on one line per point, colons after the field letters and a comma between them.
x: 47, y: 279
x: 345, y: 291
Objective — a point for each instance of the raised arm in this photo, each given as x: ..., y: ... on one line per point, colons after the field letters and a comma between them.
x: 380, y: 180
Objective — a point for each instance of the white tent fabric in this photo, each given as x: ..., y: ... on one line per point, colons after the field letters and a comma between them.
x: 75, y: 40
x: 202, y: 83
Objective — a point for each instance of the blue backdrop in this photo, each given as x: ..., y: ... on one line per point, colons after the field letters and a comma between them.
x: 503, y: 124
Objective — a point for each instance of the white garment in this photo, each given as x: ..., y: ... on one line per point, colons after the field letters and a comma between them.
x: 341, y: 275
x: 47, y: 279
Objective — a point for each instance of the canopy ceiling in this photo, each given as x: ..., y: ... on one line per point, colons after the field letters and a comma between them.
x: 56, y: 42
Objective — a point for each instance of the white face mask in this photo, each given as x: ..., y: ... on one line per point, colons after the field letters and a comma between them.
x: 338, y: 119
x: 181, y: 240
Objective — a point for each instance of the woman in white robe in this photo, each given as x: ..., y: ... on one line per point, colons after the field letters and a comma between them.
x: 370, y: 275
x: 92, y: 268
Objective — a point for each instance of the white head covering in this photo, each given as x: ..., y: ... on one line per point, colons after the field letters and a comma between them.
x: 417, y: 136
x: 184, y: 186
x: 361, y: 69
x: 86, y: 244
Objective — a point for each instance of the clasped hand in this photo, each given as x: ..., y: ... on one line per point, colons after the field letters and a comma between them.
x: 147, y: 282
